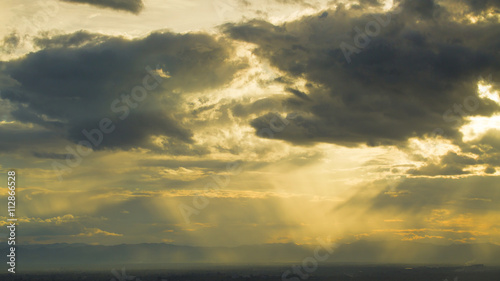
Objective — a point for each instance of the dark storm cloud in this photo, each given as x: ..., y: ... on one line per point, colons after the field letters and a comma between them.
x: 133, y: 6
x: 426, y: 9
x: 79, y: 79
x: 417, y: 74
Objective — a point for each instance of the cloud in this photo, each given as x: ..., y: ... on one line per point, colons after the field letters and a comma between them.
x: 370, y: 2
x: 10, y: 42
x: 79, y: 79
x: 410, y: 79
x: 132, y: 6
x: 449, y: 164
x: 299, y: 2
x: 420, y: 196
x: 299, y: 94
x: 49, y: 155
x: 476, y: 156
x: 482, y: 5
x: 490, y: 170
x: 16, y: 137
x: 454, y: 208
x: 77, y: 39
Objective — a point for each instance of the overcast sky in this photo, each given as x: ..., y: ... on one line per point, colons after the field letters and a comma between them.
x: 239, y: 122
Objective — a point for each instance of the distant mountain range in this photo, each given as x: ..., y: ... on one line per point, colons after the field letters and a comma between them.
x: 62, y: 256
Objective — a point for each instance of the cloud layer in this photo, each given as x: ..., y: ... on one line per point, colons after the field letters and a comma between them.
x: 351, y: 122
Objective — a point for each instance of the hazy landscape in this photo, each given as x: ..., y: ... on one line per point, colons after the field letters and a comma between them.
x: 83, y: 256
x: 346, y: 272
x: 361, y: 260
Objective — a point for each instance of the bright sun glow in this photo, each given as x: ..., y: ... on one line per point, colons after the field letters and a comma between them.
x: 485, y: 91
x: 478, y: 125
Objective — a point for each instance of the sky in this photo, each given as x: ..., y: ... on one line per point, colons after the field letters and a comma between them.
x: 234, y: 122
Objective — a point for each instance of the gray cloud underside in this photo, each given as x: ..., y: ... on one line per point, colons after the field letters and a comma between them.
x: 15, y: 138
x: 397, y: 87
x: 133, y: 6
x: 72, y: 83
